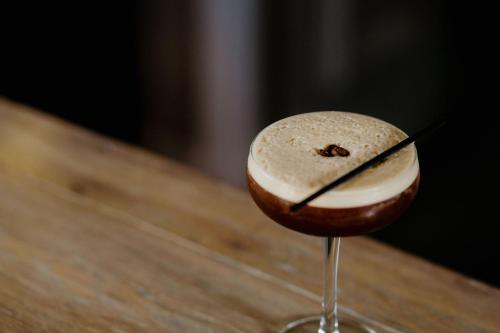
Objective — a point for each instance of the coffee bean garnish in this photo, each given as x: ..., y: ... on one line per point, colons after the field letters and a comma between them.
x: 332, y: 151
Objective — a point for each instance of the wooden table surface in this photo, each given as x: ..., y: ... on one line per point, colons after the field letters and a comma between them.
x: 99, y: 236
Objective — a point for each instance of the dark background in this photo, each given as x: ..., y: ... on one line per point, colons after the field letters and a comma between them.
x: 179, y: 77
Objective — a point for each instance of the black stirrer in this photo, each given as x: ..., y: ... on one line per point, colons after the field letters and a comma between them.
x: 377, y: 159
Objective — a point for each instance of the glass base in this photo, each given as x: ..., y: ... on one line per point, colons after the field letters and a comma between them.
x: 311, y: 325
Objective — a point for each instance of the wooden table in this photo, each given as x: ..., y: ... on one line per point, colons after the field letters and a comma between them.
x: 99, y: 236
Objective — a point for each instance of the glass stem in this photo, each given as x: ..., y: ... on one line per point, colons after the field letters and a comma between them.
x: 329, y: 322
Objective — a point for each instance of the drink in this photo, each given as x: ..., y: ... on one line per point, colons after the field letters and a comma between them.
x: 290, y: 160
x: 294, y: 157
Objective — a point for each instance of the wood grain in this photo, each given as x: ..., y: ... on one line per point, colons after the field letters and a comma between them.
x: 99, y: 236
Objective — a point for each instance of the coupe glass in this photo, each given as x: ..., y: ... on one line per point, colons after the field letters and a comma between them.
x: 329, y: 321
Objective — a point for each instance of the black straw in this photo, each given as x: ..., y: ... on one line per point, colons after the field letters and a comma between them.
x: 377, y: 159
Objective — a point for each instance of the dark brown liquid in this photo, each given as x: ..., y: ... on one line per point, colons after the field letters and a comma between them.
x: 334, y: 222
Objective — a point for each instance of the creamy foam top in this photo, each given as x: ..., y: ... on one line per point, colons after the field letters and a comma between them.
x: 284, y: 159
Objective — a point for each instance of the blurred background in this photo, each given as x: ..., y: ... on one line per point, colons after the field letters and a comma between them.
x: 195, y: 80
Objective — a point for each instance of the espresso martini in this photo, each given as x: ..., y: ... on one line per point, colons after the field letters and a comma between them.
x: 296, y: 156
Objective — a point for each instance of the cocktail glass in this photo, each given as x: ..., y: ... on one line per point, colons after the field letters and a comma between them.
x: 332, y: 224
